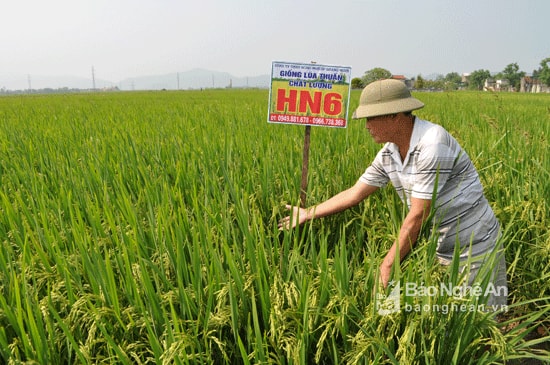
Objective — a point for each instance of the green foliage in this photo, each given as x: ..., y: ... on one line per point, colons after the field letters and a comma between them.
x: 477, y: 79
x: 513, y: 75
x: 449, y: 82
x: 357, y: 83
x: 375, y: 74
x: 141, y: 228
x: 419, y: 82
x: 544, y: 71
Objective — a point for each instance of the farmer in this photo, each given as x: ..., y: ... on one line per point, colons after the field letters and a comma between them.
x: 430, y: 172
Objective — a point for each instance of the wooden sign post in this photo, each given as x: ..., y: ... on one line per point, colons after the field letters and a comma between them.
x: 305, y: 168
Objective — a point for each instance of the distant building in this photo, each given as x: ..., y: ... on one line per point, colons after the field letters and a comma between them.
x: 402, y: 78
x: 529, y: 84
x: 497, y: 85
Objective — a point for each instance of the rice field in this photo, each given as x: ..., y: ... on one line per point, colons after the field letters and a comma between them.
x: 141, y: 228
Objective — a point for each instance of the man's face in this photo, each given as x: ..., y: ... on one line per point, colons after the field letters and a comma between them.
x: 381, y: 128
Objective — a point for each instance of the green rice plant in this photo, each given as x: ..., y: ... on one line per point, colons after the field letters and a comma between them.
x: 142, y: 228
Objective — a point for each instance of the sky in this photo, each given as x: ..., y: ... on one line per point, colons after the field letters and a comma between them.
x: 130, y: 38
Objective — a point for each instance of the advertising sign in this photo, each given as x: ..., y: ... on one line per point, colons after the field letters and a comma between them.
x: 309, y: 94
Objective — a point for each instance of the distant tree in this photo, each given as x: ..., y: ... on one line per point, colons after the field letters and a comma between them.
x: 419, y: 83
x: 437, y: 84
x: 377, y: 73
x: 477, y: 79
x: 452, y: 81
x: 356, y: 83
x: 440, y: 83
x: 544, y: 71
x: 513, y: 75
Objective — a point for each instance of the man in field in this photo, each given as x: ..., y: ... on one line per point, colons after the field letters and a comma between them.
x: 431, y: 173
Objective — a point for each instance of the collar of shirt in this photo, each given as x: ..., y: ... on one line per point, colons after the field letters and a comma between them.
x: 419, y: 128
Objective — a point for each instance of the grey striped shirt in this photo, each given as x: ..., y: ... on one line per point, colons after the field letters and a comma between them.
x: 462, y: 214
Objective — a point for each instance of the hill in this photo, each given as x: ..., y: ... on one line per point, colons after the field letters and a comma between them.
x: 192, y: 79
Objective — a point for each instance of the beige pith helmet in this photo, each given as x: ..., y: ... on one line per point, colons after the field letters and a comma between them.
x: 385, y: 97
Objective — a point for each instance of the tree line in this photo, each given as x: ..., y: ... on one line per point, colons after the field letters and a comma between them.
x: 454, y: 81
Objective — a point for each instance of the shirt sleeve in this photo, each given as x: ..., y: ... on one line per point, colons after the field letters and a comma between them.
x: 434, y: 166
x: 375, y: 174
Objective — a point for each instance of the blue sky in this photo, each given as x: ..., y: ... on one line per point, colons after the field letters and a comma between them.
x: 128, y: 38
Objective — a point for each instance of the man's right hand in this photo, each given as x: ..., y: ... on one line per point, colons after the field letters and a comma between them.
x: 297, y: 217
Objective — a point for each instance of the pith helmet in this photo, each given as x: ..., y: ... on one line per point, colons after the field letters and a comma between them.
x: 385, y: 97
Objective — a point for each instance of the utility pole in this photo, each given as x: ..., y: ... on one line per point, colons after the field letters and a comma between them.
x: 178, y: 75
x: 29, y: 80
x: 93, y: 76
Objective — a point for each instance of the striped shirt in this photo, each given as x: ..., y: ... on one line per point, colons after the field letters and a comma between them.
x: 436, y: 165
